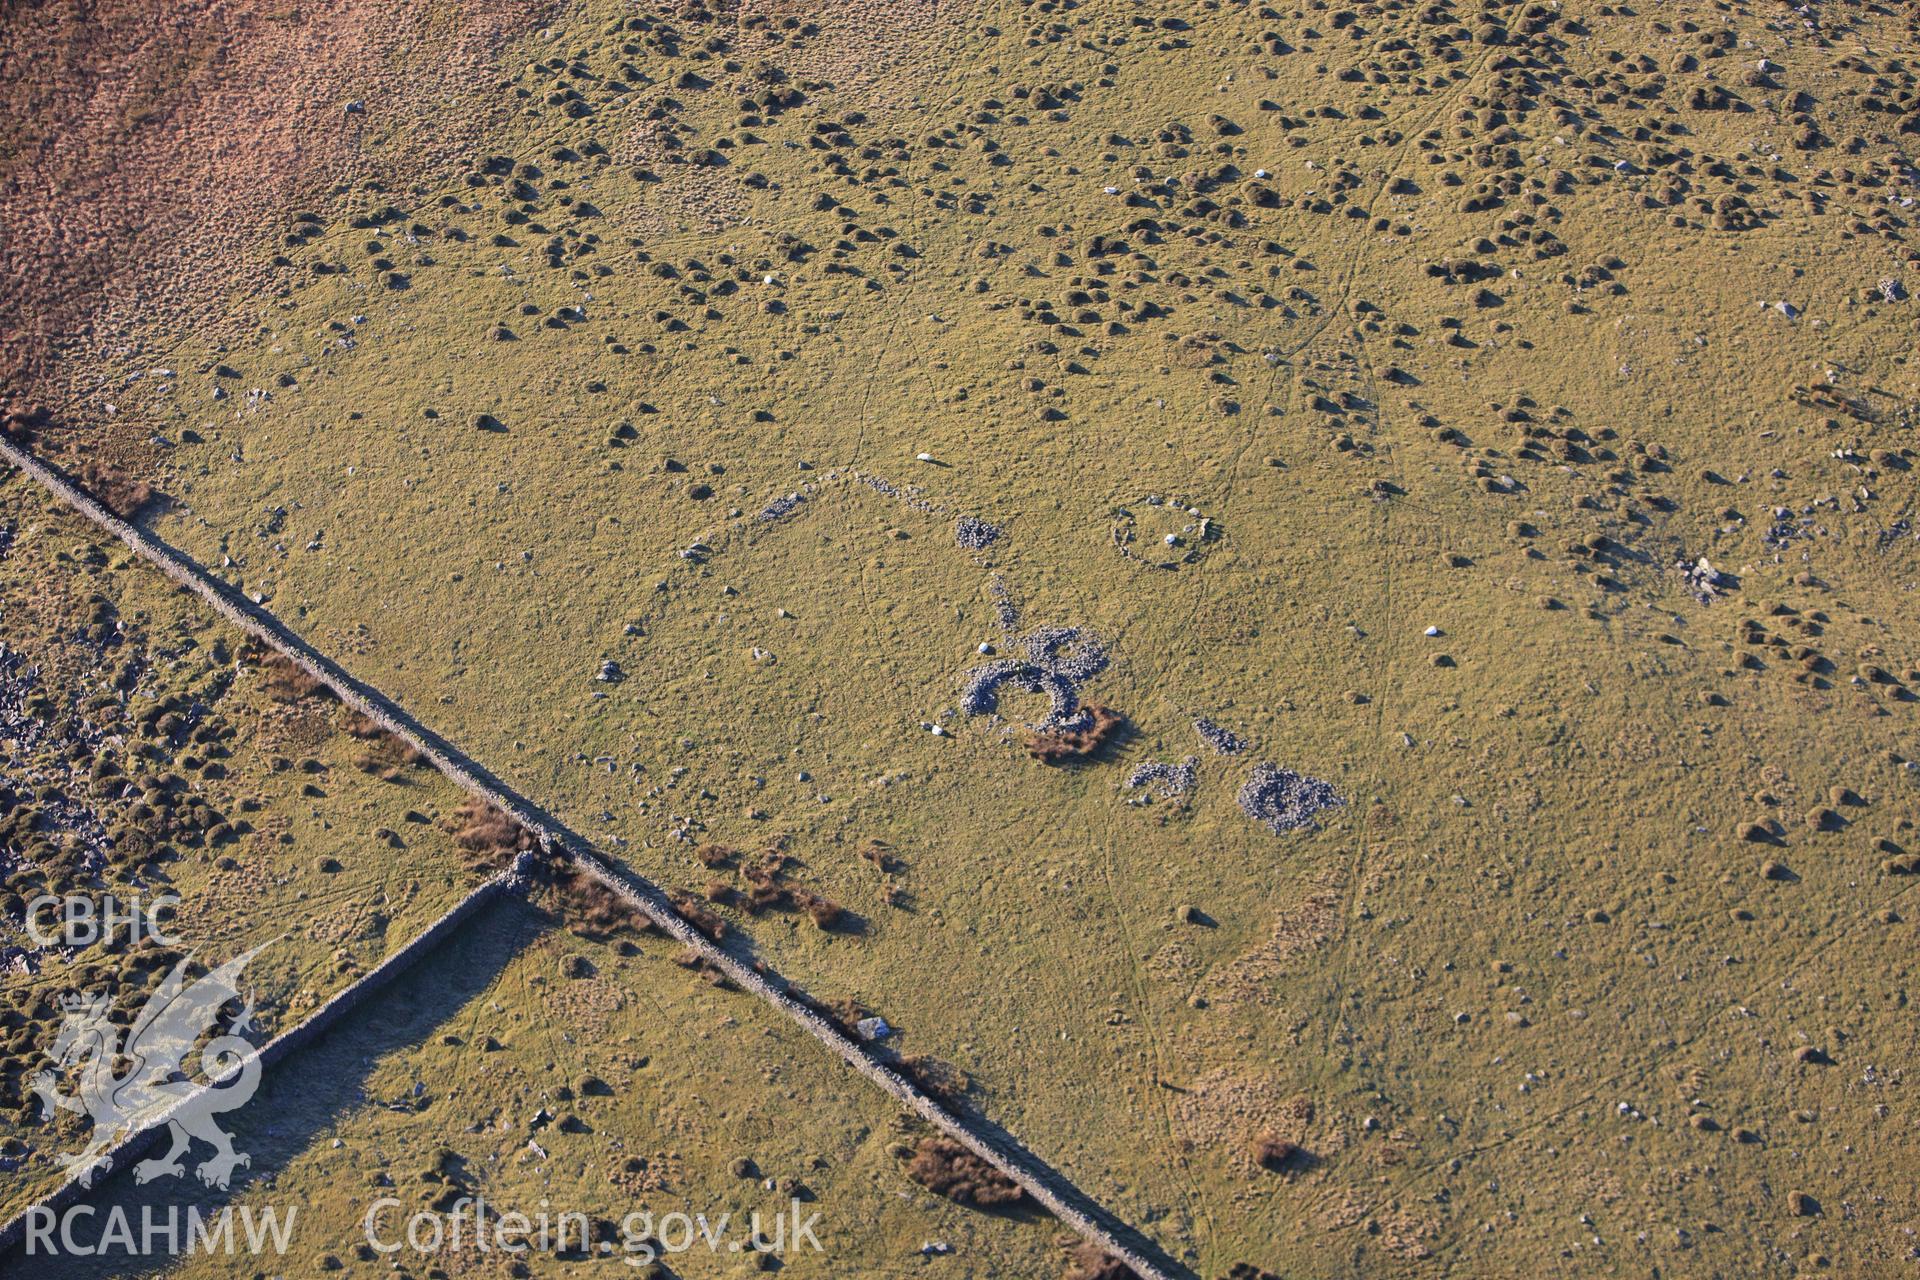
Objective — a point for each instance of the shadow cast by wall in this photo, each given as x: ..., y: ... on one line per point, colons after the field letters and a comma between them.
x: 299, y: 1099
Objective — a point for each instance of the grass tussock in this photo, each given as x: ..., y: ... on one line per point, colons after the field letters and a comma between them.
x: 882, y: 856
x: 363, y: 727
x: 845, y: 1013
x: 825, y: 913
x: 1273, y: 1152
x: 716, y: 856
x: 768, y: 890
x: 767, y: 897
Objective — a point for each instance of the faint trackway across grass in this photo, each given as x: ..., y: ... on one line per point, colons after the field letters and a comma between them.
x: 973, y: 1130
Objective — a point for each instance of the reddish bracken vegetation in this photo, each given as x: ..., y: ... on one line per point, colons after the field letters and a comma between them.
x: 115, y: 490
x: 691, y: 959
x: 490, y: 835
x: 387, y: 754
x: 767, y: 889
x: 844, y: 1013
x: 695, y: 913
x: 593, y: 910
x: 946, y: 1168
x: 1059, y: 745
x: 287, y: 681
x: 1090, y: 1262
x: 942, y: 1081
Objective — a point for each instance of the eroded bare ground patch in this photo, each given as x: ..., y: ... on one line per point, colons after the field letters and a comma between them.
x: 147, y: 151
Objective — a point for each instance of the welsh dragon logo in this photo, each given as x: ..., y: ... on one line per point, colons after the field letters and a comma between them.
x: 155, y: 1087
